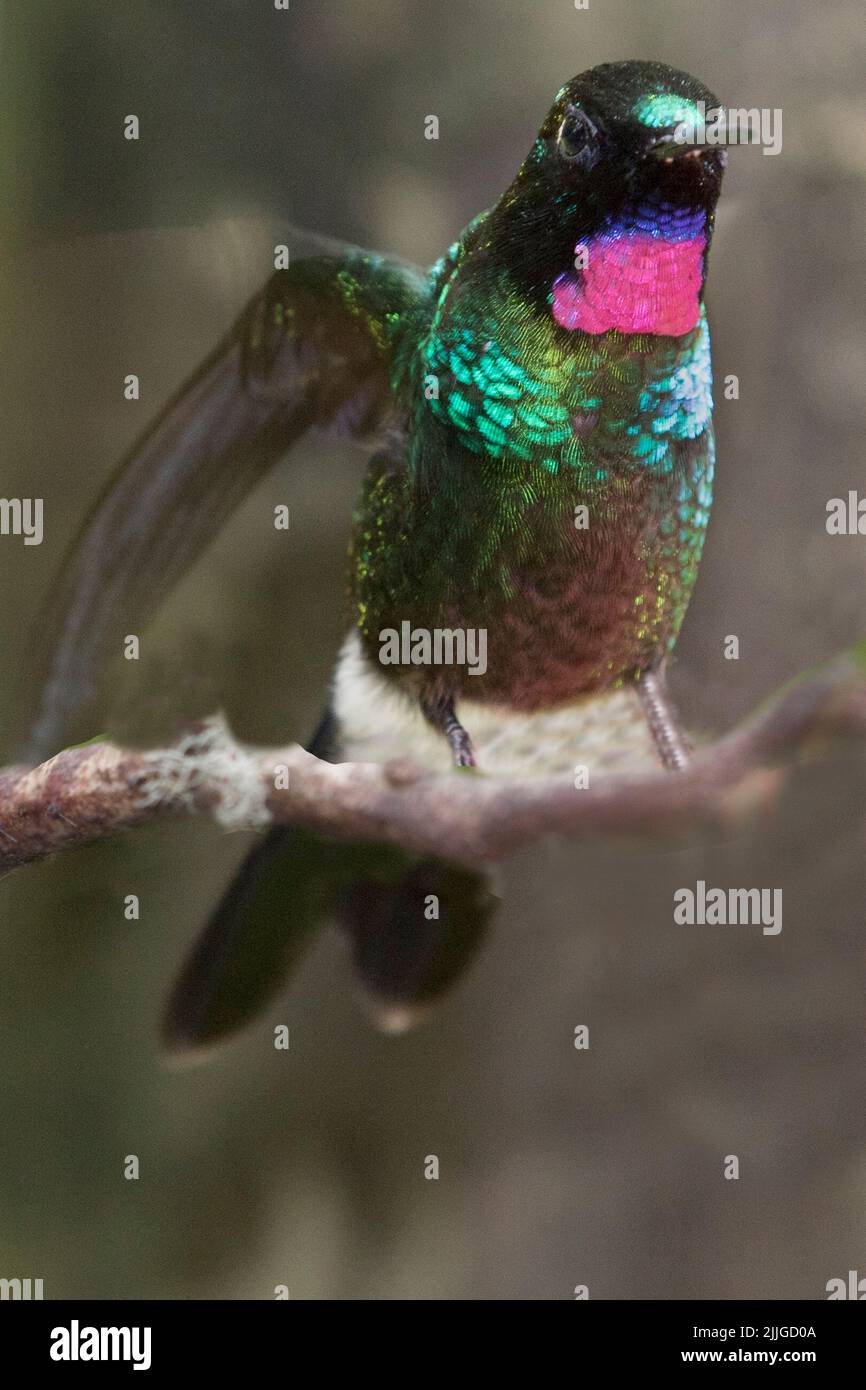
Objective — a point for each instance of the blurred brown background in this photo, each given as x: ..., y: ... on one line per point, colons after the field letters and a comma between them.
x: 557, y: 1167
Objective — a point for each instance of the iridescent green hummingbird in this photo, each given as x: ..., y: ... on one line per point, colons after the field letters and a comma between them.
x: 538, y: 412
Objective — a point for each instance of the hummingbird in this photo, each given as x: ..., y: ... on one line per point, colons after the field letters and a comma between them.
x: 537, y: 412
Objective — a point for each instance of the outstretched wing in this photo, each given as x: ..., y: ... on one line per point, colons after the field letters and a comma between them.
x: 313, y: 348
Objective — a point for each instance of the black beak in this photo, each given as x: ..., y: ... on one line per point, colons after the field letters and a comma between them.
x: 667, y: 149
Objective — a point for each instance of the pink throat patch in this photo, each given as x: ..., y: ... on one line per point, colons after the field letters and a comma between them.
x: 635, y: 283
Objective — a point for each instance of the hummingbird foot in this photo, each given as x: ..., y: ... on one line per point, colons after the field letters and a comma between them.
x: 670, y: 741
x: 439, y: 712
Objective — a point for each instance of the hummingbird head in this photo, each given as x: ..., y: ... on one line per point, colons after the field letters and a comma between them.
x: 610, y: 217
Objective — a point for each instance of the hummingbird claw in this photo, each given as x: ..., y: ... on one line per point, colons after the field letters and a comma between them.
x: 672, y: 747
x: 440, y: 713
x: 464, y: 753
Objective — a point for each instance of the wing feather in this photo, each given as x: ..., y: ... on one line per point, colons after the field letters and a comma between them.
x: 313, y: 349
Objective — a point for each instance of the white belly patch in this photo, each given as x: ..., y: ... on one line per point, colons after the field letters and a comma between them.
x: 603, y: 733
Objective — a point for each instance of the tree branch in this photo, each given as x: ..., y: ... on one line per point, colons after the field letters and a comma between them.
x: 90, y: 792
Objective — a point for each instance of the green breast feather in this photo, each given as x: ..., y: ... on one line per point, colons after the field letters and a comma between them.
x: 518, y: 388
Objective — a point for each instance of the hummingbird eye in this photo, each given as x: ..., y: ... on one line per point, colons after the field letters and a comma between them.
x: 577, y: 138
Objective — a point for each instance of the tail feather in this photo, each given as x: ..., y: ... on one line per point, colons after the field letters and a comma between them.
x: 414, y: 935
x: 414, y: 925
x: 259, y: 931
x: 251, y: 944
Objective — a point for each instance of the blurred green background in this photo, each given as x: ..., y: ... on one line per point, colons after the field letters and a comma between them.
x: 306, y: 1168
